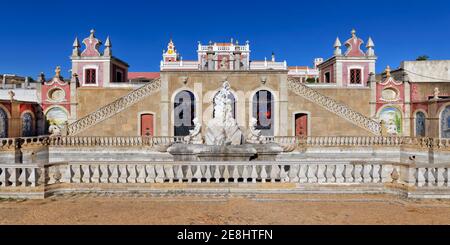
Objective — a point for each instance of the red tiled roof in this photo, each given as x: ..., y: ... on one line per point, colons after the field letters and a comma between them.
x: 146, y: 75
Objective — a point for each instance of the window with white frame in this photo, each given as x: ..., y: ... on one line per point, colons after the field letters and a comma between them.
x: 355, y: 76
x: 90, y: 76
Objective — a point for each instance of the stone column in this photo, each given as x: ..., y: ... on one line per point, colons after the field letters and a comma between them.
x: 373, y: 95
x: 407, y: 115
x: 433, y: 119
x: 15, y: 123
x: 198, y: 90
x: 73, y: 100
x: 283, y: 118
x: 338, y: 73
x: 165, y: 106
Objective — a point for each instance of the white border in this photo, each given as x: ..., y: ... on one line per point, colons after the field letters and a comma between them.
x: 354, y: 67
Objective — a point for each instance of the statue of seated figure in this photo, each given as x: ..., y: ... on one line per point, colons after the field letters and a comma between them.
x: 254, y: 136
x: 195, y: 135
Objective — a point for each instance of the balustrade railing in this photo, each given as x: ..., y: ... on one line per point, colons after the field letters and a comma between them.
x: 113, y: 141
x: 8, y: 143
x: 320, y: 141
x: 222, y: 172
x: 19, y: 175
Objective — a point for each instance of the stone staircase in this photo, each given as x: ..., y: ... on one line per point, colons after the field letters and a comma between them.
x: 114, y: 107
x: 335, y: 107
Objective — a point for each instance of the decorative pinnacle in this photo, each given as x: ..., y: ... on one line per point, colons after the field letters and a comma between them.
x: 388, y: 71
x: 108, y: 42
x: 353, y: 32
x: 337, y: 43
x: 370, y: 43
x: 92, y: 33
x: 76, y: 43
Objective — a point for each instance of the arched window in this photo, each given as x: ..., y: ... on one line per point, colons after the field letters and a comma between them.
x: 56, y: 116
x: 445, y: 122
x: 233, y: 101
x: 263, y: 111
x: 184, y: 113
x: 27, y: 125
x: 3, y: 124
x: 420, y: 124
x: 392, y: 119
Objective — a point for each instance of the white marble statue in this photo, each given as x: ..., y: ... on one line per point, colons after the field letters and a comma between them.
x: 223, y: 128
x: 54, y: 130
x: 254, y: 135
x: 195, y: 135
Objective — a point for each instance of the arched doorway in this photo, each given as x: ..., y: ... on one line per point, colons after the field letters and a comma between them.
x: 263, y: 111
x: 445, y: 122
x: 301, y: 124
x: 3, y: 124
x: 147, y: 127
x: 184, y: 113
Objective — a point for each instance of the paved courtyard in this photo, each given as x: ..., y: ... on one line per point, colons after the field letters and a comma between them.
x: 224, y: 209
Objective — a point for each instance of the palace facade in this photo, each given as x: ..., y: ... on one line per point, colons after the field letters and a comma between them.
x: 338, y: 96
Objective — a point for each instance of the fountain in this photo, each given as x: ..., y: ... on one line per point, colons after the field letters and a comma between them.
x: 224, y: 140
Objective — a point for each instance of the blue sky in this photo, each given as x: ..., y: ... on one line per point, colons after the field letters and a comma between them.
x: 38, y: 35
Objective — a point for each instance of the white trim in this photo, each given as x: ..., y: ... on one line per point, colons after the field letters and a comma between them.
x: 96, y: 67
x: 308, y: 121
x: 414, y: 121
x: 441, y: 110
x: 276, y: 100
x: 349, y: 68
x: 139, y: 130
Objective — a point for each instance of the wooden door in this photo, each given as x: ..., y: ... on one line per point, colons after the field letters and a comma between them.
x: 147, y: 125
x: 301, y: 125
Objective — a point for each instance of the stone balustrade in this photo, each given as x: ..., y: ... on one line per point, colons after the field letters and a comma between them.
x: 8, y: 143
x: 432, y: 180
x: 432, y: 175
x: 312, y: 141
x: 325, y: 141
x: 14, y: 175
x: 105, y: 141
x: 222, y: 172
